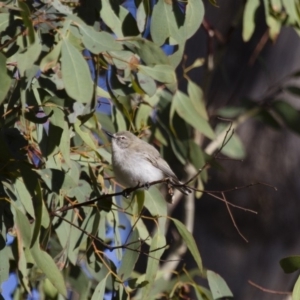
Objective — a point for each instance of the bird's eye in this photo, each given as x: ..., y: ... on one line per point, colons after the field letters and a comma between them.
x: 123, y: 138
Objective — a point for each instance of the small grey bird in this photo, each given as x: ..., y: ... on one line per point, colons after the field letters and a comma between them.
x: 136, y: 162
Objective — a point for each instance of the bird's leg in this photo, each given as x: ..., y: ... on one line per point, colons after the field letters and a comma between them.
x: 147, y: 185
x: 128, y: 191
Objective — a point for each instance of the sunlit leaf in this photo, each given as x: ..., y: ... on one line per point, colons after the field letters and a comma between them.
x: 45, y: 262
x: 190, y: 242
x: 184, y: 107
x: 75, y: 74
x: 249, y: 18
x: 217, y: 285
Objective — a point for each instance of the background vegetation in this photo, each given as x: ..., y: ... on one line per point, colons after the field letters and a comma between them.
x: 69, y: 69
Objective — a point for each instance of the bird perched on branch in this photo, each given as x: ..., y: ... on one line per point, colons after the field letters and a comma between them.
x: 136, y: 162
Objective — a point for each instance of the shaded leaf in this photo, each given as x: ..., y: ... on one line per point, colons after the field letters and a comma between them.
x: 4, y: 77
x: 288, y: 114
x: 26, y: 16
x: 290, y: 264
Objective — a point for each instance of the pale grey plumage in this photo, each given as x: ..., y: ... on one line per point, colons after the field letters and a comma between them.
x: 137, y: 162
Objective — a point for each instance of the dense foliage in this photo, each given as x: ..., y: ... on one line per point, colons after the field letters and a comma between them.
x: 67, y: 70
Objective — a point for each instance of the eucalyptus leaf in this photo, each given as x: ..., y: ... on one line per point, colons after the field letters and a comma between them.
x: 217, y: 285
x: 4, y: 77
x: 75, y: 73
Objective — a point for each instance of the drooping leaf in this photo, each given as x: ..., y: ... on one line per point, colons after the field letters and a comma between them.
x: 249, y: 18
x: 296, y: 290
x: 75, y: 74
x: 4, y: 77
x: 193, y: 18
x: 290, y: 264
x: 50, y: 60
x: 4, y: 259
x: 25, y: 14
x: 28, y: 57
x: 289, y: 115
x: 130, y: 256
x: 184, y: 107
x: 99, y: 290
x: 4, y: 21
x: 163, y: 24
x: 156, y: 251
x: 45, y: 262
x: 190, y: 242
x: 86, y: 136
x: 217, y: 285
x: 98, y: 42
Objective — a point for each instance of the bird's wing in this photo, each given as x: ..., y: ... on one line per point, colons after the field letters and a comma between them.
x: 152, y: 155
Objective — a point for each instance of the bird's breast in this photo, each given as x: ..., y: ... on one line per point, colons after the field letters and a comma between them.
x: 132, y: 169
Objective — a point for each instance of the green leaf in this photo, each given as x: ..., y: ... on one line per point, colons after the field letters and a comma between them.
x: 4, y: 259
x: 4, y: 77
x: 98, y: 42
x: 4, y: 21
x: 217, y: 285
x: 197, y: 98
x: 76, y: 74
x: 130, y: 256
x: 24, y: 196
x: 190, y: 243
x: 27, y: 58
x: 249, y: 19
x: 184, y: 107
x: 146, y: 83
x: 111, y: 19
x: 155, y: 253
x: 163, y: 24
x: 86, y: 136
x: 23, y: 226
x: 289, y: 115
x: 38, y: 212
x: 161, y: 73
x: 296, y: 290
x: 99, y: 290
x: 155, y: 202
x: 45, y: 262
x: 194, y: 17
x: 150, y: 53
x: 50, y: 60
x: 290, y: 264
x: 26, y: 16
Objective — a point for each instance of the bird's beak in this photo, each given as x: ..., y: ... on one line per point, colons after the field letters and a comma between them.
x: 109, y: 134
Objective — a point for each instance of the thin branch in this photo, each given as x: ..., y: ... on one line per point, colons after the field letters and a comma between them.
x: 267, y: 290
x: 232, y: 218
